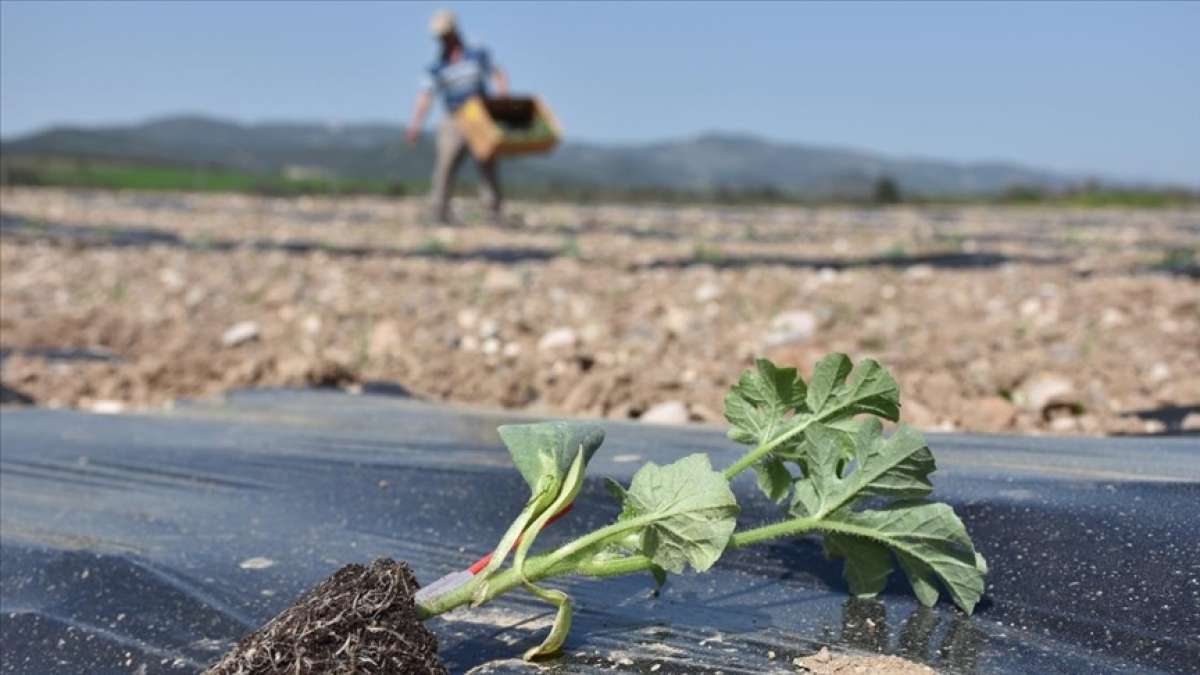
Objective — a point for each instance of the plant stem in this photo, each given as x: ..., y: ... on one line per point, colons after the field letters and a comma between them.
x: 550, y: 564
x: 763, y: 449
x: 558, y: 563
x: 786, y: 528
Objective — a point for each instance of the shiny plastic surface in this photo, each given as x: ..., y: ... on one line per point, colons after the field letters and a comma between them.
x: 149, y: 543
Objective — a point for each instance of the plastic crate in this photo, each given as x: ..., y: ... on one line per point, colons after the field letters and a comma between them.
x: 503, y: 127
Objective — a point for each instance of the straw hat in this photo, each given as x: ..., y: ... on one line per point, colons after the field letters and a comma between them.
x: 443, y: 23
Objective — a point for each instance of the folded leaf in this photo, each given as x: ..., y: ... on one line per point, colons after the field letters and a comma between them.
x: 562, y: 622
x: 929, y: 541
x: 543, y: 453
x: 688, y: 512
x: 774, y: 479
x: 868, y: 564
x: 572, y: 483
x: 546, y: 449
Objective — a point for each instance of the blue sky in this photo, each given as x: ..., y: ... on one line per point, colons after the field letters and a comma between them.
x: 1103, y: 87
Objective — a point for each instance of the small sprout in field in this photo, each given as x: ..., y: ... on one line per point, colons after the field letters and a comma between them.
x: 817, y: 449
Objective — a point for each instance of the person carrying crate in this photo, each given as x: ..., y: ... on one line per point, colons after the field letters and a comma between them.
x: 459, y: 73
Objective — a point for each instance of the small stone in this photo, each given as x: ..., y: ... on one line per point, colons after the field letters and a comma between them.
x: 488, y: 328
x: 791, y: 327
x: 467, y: 318
x: 1191, y: 422
x: 240, y: 333
x: 1112, y: 317
x: 256, y: 563
x: 107, y: 407
x: 707, y: 292
x: 919, y: 272
x: 1159, y: 373
x: 678, y: 321
x: 1064, y: 424
x: 511, y: 350
x: 312, y: 324
x: 490, y: 346
x: 823, y: 656
x: 385, y: 339
x: 668, y: 412
x: 499, y: 279
x: 1044, y: 391
x: 559, y: 338
x: 1030, y: 307
x: 993, y: 413
x: 171, y: 278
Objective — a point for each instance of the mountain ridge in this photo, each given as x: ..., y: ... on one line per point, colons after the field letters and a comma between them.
x: 704, y: 162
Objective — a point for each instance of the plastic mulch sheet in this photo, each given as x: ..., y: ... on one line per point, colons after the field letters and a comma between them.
x: 150, y: 543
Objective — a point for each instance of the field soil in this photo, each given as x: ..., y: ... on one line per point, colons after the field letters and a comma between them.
x: 1030, y: 320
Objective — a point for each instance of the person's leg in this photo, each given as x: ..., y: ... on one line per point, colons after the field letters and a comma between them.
x: 489, y: 187
x: 451, y: 146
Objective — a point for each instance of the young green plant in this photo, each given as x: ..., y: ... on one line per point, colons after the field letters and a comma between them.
x: 817, y: 448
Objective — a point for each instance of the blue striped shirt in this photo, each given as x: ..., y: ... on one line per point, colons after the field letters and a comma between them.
x: 459, y: 81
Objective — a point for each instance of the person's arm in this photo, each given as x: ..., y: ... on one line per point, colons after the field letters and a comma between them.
x: 500, y: 81
x: 420, y: 111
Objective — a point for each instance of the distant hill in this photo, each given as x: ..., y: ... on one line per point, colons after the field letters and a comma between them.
x: 703, y: 164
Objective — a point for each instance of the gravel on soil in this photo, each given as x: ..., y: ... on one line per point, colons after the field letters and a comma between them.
x: 1029, y: 320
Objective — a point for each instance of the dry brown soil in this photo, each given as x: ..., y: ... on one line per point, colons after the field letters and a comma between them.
x: 993, y: 319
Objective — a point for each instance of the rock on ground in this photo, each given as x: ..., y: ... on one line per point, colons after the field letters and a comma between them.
x: 631, y: 315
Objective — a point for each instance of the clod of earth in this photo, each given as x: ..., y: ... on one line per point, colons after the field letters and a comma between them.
x: 359, y: 620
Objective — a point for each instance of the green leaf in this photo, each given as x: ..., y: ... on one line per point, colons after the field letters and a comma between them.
x: 572, y: 483
x: 758, y: 404
x: 688, y: 510
x: 868, y: 564
x: 774, y: 479
x: 544, y: 453
x: 929, y: 541
x: 562, y: 622
x: 545, y: 450
x: 829, y: 373
x: 770, y: 407
x: 870, y: 390
x: 895, y: 466
x: 660, y: 577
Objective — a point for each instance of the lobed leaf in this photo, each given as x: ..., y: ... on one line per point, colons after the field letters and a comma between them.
x: 895, y: 466
x: 929, y: 541
x: 688, y: 510
x: 771, y: 406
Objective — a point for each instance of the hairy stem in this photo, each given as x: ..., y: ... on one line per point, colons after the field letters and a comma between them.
x: 555, y: 563
x: 763, y: 449
x: 558, y: 563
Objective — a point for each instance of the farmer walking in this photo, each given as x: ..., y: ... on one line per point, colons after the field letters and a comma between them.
x: 459, y: 73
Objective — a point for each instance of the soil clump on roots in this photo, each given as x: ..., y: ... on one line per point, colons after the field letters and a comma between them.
x: 359, y: 620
